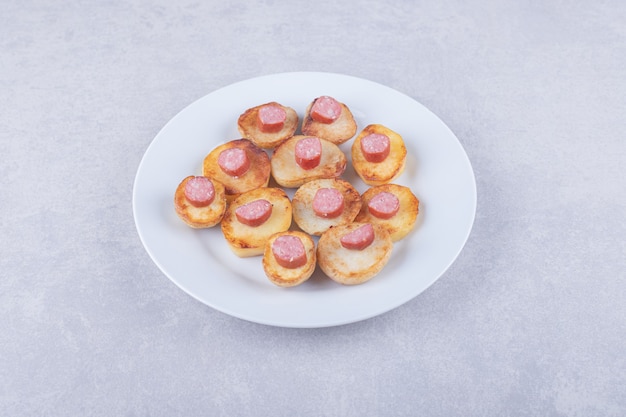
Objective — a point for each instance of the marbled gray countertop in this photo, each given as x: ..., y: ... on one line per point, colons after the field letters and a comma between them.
x: 530, y: 319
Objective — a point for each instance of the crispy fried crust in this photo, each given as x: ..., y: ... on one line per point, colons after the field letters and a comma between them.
x: 403, y: 221
x: 247, y: 126
x: 287, y: 173
x: 350, y: 267
x: 250, y: 241
x: 200, y: 217
x: 378, y: 173
x: 257, y: 176
x: 289, y: 277
x: 302, y: 202
x: 337, y: 132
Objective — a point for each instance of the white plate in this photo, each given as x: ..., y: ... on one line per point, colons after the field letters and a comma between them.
x: 199, y: 261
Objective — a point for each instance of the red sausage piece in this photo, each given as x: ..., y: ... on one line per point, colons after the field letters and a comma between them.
x: 289, y: 251
x: 308, y: 152
x: 328, y: 203
x: 234, y: 161
x: 254, y: 213
x: 359, y: 238
x: 271, y: 118
x: 375, y: 147
x: 384, y: 205
x: 199, y: 191
x: 325, y: 109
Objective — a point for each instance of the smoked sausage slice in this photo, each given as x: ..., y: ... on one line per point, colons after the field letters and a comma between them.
x: 325, y: 109
x: 289, y: 251
x: 199, y: 191
x: 328, y: 203
x: 358, y: 239
x: 271, y: 118
x: 375, y: 147
x: 254, y: 213
x: 234, y: 161
x: 384, y: 205
x: 308, y: 152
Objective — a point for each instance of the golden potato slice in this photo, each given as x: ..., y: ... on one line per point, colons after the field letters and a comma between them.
x: 289, y: 276
x: 337, y: 132
x: 353, y: 266
x: 377, y: 173
x: 306, y: 218
x: 245, y: 240
x: 249, y: 128
x: 287, y: 173
x: 258, y: 175
x: 200, y: 217
x: 401, y: 223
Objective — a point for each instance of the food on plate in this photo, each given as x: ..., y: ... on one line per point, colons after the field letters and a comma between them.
x: 238, y: 164
x: 392, y: 205
x: 303, y: 158
x: 289, y: 258
x: 354, y: 253
x: 323, y: 203
x: 200, y: 201
x: 378, y: 155
x: 268, y: 124
x: 327, y: 118
x: 355, y: 232
x: 253, y: 216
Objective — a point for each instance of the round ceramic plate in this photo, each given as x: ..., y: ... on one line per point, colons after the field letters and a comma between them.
x: 200, y: 262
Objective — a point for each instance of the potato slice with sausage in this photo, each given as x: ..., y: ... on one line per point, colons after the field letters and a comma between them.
x: 287, y: 167
x: 253, y: 217
x: 354, y: 253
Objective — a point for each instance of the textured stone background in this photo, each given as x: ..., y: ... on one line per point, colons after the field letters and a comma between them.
x: 530, y: 320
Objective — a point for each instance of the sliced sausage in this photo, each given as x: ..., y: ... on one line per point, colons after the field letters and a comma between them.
x: 359, y: 238
x: 271, y: 118
x: 289, y: 251
x: 199, y: 191
x: 308, y: 152
x: 254, y: 213
x: 234, y: 161
x: 325, y: 109
x: 328, y: 203
x: 384, y: 205
x: 375, y: 147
